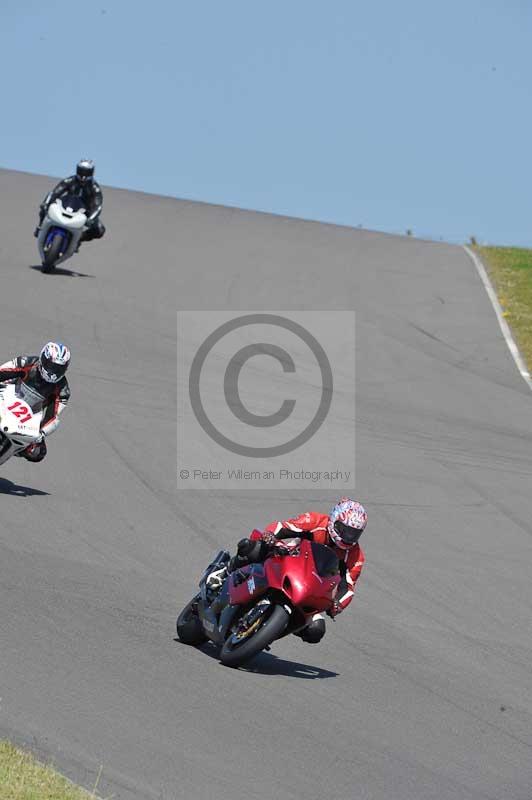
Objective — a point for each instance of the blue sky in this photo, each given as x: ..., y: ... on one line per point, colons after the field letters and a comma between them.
x: 394, y: 116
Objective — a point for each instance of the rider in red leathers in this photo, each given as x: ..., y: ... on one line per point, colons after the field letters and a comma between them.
x: 340, y: 530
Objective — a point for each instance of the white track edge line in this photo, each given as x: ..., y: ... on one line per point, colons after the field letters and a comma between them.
x: 505, y: 329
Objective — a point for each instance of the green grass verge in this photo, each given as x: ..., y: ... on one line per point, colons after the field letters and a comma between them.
x: 510, y: 271
x: 24, y: 778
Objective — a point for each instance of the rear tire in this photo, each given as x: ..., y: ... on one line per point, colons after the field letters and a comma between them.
x: 53, y: 253
x: 234, y: 654
x: 189, y: 628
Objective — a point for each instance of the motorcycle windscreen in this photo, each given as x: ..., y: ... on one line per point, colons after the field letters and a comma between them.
x: 325, y: 559
x: 30, y: 395
x: 72, y: 202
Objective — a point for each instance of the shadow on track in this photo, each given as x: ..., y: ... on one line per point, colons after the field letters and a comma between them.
x: 269, y: 664
x: 60, y: 271
x: 8, y: 487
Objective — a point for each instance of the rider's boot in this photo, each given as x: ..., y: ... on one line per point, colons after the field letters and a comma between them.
x: 314, y: 631
x: 34, y: 452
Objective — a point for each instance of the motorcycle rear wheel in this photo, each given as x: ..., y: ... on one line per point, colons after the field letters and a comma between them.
x: 234, y: 652
x: 52, y: 254
x: 189, y: 628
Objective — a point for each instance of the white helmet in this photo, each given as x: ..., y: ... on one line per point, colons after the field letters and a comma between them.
x: 53, y: 361
x: 347, y: 520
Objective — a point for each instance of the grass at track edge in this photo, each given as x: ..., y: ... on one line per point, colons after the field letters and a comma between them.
x: 510, y: 271
x: 22, y: 777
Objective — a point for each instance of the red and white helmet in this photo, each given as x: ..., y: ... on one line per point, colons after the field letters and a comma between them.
x: 53, y: 361
x: 346, y: 522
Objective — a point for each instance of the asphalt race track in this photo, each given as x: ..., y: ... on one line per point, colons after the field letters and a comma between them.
x: 422, y: 690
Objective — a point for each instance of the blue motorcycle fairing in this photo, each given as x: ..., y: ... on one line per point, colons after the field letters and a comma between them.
x: 54, y: 230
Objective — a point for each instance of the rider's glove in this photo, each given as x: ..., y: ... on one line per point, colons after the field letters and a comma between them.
x: 334, y: 610
x: 245, y: 547
x: 215, y: 579
x: 269, y: 539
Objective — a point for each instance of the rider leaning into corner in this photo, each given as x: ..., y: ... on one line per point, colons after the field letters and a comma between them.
x: 83, y: 185
x: 340, y: 530
x: 46, y: 387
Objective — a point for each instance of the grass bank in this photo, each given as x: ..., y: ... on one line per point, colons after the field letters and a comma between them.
x: 24, y: 778
x: 510, y: 271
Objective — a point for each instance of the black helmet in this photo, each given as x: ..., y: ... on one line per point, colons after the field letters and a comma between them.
x: 85, y: 170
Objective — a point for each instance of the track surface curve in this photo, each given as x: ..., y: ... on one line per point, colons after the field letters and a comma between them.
x: 423, y: 690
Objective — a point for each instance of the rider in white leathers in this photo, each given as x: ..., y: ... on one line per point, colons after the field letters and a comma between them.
x: 46, y: 388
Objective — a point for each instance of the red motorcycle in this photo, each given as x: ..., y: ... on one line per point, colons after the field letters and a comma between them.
x: 261, y: 602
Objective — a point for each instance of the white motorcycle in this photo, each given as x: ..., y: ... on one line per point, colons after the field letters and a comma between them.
x: 20, y: 419
x: 61, y: 231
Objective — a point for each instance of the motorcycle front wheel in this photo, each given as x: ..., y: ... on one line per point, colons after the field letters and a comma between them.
x: 189, y: 628
x: 52, y: 253
x: 258, y: 628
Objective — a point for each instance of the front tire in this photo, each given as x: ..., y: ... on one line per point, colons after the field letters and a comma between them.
x: 52, y: 254
x: 235, y: 652
x: 188, y: 625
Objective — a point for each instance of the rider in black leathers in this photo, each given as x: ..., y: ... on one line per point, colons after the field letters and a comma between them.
x: 83, y: 185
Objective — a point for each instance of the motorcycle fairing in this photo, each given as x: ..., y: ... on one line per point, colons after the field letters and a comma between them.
x: 217, y: 623
x: 16, y: 431
x: 67, y: 218
x: 55, y: 230
x: 295, y: 577
x: 289, y: 575
x: 247, y: 583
